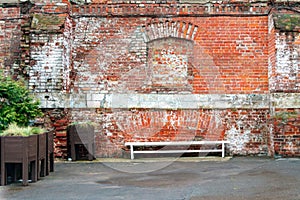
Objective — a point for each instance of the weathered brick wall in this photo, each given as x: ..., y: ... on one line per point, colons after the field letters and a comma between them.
x: 10, y: 38
x: 286, y: 74
x: 58, y: 119
x: 181, y: 55
x: 225, y: 59
x: 287, y: 132
x: 206, y: 71
x: 285, y: 81
x: 247, y: 130
x: 109, y: 57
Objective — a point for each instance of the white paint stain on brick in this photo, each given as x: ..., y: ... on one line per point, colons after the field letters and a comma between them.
x: 47, y: 74
x: 238, y: 140
x: 286, y: 57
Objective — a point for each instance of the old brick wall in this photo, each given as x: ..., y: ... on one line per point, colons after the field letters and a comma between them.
x: 10, y: 38
x: 286, y: 132
x: 147, y: 78
x: 58, y: 120
x: 225, y: 59
x: 116, y: 61
x: 163, y: 70
x: 285, y: 80
x: 246, y: 130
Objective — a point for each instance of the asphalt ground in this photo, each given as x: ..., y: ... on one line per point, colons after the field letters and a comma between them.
x: 235, y: 178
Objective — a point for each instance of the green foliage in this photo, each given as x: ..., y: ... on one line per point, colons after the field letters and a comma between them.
x: 285, y: 115
x: 15, y: 130
x: 16, y: 103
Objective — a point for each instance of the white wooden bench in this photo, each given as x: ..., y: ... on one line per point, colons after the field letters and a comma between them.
x: 176, y: 143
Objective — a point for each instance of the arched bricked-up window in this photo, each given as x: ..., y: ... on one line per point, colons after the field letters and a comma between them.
x: 168, y: 64
x: 170, y: 51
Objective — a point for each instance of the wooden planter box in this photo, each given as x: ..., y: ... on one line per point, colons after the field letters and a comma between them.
x: 23, y: 150
x: 42, y: 154
x: 81, y: 136
x: 50, y: 152
x: 35, y: 154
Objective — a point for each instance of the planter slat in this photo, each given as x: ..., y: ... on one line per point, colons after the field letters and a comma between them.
x: 50, y: 152
x: 42, y: 151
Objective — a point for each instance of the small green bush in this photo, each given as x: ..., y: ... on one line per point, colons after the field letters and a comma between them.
x: 15, y: 130
x: 16, y: 103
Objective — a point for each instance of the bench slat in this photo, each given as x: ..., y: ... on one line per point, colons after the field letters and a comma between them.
x: 180, y: 151
x: 175, y: 143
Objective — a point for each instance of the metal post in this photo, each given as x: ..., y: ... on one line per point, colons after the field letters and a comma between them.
x: 223, y: 150
x: 131, y: 152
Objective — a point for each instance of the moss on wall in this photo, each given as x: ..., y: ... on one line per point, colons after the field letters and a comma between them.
x: 47, y: 22
x: 287, y: 22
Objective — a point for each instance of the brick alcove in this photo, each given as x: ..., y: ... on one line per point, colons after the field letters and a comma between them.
x: 168, y: 64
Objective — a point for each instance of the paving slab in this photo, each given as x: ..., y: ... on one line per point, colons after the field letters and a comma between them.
x: 235, y: 178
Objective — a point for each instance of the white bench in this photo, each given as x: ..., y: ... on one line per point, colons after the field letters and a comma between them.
x: 176, y: 143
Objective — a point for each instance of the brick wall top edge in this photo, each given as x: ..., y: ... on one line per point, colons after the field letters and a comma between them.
x: 167, y: 9
x: 53, y: 8
x: 81, y: 2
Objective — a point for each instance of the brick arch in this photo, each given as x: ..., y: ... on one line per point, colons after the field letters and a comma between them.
x: 177, y: 29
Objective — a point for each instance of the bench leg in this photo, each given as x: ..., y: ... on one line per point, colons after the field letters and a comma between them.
x: 131, y: 152
x: 223, y: 150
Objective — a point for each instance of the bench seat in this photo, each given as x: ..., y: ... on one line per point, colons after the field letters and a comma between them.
x: 176, y: 143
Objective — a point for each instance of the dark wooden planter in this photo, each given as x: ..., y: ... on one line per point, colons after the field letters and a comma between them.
x: 81, y: 137
x: 42, y: 154
x: 23, y: 150
x: 50, y: 152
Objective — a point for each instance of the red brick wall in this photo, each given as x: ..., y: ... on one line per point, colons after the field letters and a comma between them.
x: 78, y: 57
x: 287, y: 132
x: 58, y: 119
x: 230, y: 54
x: 285, y: 74
x: 245, y: 129
x: 10, y: 36
x: 233, y: 52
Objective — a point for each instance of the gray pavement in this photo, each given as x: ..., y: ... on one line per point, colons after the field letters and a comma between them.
x: 238, y: 178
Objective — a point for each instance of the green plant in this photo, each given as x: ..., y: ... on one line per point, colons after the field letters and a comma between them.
x: 15, y: 130
x: 283, y: 116
x: 16, y: 103
x: 37, y: 130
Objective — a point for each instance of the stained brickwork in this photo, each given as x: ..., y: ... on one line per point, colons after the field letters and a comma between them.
x: 10, y: 38
x: 246, y: 130
x: 286, y: 132
x: 161, y: 70
x: 168, y: 63
x: 58, y: 119
x: 221, y: 61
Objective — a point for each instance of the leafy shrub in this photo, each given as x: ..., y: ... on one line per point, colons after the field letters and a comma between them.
x: 16, y: 103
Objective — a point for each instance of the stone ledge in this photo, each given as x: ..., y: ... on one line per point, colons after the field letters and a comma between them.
x: 154, y: 101
x: 169, y: 101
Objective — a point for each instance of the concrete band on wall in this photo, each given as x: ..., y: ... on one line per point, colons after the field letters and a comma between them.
x: 169, y: 101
